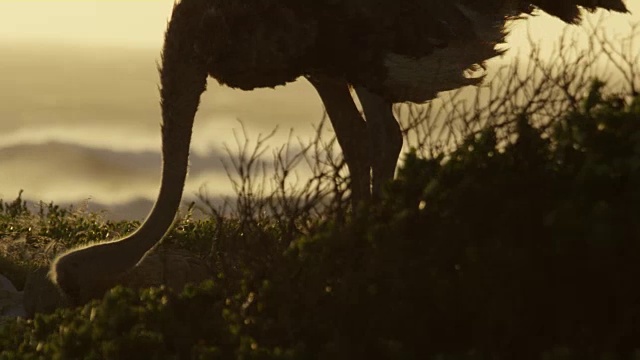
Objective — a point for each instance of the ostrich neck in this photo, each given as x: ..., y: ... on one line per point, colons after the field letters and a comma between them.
x: 176, y: 137
x: 183, y: 80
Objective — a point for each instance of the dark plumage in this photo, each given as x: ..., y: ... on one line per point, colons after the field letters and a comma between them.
x: 271, y: 42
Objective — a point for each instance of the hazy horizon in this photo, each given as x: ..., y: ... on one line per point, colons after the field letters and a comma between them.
x: 79, y: 117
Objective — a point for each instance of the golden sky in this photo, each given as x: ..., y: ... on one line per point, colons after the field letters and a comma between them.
x: 136, y: 22
x: 121, y: 22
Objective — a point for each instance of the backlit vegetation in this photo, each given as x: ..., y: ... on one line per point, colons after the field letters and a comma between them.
x: 511, y: 232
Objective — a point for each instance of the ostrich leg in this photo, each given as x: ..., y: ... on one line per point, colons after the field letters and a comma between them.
x: 351, y: 131
x: 384, y: 135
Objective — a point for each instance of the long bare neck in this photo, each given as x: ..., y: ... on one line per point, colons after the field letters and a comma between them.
x: 183, y: 79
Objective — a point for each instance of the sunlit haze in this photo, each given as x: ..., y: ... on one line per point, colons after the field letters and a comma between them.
x: 104, y: 22
x: 79, y: 114
x: 134, y: 22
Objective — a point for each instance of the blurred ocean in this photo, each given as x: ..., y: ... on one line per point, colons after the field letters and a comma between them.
x: 81, y: 123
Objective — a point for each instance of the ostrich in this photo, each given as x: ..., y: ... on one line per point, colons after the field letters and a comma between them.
x: 388, y: 51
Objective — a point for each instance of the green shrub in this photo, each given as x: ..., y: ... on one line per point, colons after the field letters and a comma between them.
x: 501, y: 250
x: 511, y: 247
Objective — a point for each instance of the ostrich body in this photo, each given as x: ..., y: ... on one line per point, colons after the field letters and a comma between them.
x: 389, y: 51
